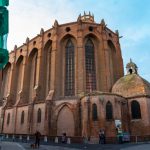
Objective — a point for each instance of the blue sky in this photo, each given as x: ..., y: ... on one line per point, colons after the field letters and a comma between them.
x: 130, y: 17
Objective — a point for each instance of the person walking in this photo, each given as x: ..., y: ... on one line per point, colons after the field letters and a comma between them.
x: 101, y: 137
x: 37, y: 139
x: 64, y: 138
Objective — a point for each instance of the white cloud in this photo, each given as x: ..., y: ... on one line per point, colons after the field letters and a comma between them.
x: 135, y: 34
x: 28, y: 17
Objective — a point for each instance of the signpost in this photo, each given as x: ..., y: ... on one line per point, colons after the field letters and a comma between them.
x: 4, y: 56
x: 118, y: 125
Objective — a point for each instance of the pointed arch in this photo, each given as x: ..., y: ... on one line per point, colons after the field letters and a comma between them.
x: 31, y: 72
x: 90, y: 65
x: 39, y: 115
x: 94, y: 112
x: 135, y: 110
x: 62, y: 57
x: 18, y: 76
x: 112, y: 60
x: 67, y: 126
x: 109, y: 111
x: 46, y: 68
x: 22, y: 118
x: 5, y: 80
x: 69, y: 68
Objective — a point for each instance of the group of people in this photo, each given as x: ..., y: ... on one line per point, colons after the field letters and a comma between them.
x: 102, y: 138
x: 64, y: 138
x: 38, y: 135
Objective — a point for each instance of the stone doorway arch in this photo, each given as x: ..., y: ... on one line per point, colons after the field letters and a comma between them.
x: 65, y: 122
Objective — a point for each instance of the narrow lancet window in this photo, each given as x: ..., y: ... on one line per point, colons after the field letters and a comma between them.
x: 90, y: 66
x: 69, y: 69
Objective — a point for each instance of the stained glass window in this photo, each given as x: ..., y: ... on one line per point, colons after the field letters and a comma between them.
x: 90, y: 66
x: 109, y: 111
x: 94, y: 112
x: 135, y: 110
x: 69, y: 70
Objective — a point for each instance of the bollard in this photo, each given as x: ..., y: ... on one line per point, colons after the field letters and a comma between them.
x: 136, y: 139
x: 56, y: 139
x: 13, y: 137
x: 20, y: 137
x: 45, y: 139
x: 7, y: 136
x: 28, y: 138
x: 68, y: 141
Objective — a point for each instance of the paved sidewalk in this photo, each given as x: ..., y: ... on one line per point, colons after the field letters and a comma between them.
x: 26, y: 146
x: 92, y: 147
x: 138, y: 147
x: 11, y: 146
x: 48, y: 147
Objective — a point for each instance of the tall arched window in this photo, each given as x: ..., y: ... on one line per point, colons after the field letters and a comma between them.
x: 112, y: 61
x: 22, y: 117
x: 18, y: 76
x: 90, y: 66
x: 109, y: 111
x: 31, y: 73
x: 39, y: 115
x: 69, y: 70
x: 35, y: 66
x: 94, y: 112
x: 5, y: 80
x: 135, y: 110
x: 8, y: 118
x: 46, y: 71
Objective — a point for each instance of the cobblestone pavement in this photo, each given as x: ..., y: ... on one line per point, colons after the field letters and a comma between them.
x: 47, y: 147
x: 138, y: 147
x: 87, y: 147
x: 26, y: 146
x: 92, y: 147
x: 11, y: 146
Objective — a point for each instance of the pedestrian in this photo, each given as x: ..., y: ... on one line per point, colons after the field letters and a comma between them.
x: 101, y: 137
x: 85, y: 142
x: 64, y: 138
x: 37, y: 139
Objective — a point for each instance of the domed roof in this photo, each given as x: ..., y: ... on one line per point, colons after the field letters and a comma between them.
x: 131, y: 85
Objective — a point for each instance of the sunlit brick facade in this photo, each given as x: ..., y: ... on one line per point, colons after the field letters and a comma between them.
x: 62, y: 81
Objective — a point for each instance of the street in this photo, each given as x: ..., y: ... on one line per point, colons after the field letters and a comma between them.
x: 26, y: 146
x: 11, y: 146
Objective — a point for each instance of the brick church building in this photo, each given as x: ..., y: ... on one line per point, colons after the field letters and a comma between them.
x: 71, y: 79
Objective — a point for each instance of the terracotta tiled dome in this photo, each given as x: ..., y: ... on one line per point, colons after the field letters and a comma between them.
x: 131, y: 85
